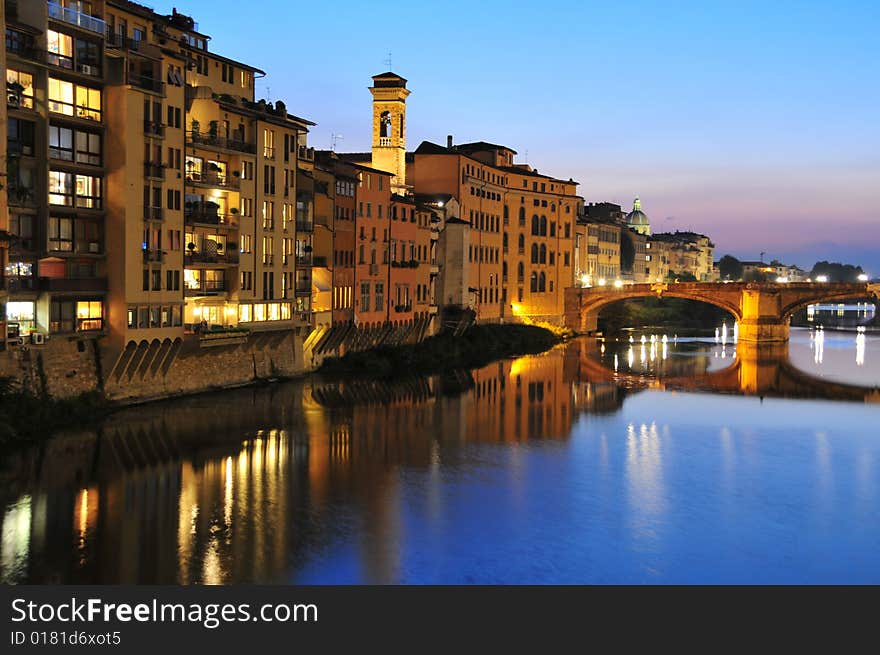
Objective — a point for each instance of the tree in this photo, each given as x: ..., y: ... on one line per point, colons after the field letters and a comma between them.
x: 836, y: 272
x: 684, y: 276
x: 730, y: 268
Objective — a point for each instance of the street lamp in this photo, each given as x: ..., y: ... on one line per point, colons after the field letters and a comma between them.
x: 821, y: 278
x: 863, y: 277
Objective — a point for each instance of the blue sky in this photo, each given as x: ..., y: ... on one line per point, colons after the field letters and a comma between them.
x: 754, y: 122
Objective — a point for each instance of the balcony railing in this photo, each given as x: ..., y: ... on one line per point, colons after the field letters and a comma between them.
x: 116, y: 40
x: 78, y: 18
x: 154, y: 255
x: 152, y: 128
x: 207, y: 287
x: 306, y: 153
x: 146, y: 83
x: 303, y: 261
x: 211, y: 257
x: 154, y: 170
x: 303, y: 289
x: 152, y: 213
x: 20, y: 284
x: 211, y: 218
x: 213, y: 140
x: 85, y: 284
x: 213, y: 180
x: 406, y: 307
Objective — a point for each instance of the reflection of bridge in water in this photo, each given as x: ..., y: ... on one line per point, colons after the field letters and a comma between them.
x: 757, y: 370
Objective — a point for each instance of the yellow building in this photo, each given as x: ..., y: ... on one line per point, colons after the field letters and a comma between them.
x: 521, y: 236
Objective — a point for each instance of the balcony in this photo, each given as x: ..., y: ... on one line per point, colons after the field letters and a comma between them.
x: 303, y: 289
x: 120, y: 41
x: 21, y: 196
x: 214, y: 141
x: 303, y: 261
x: 305, y: 153
x: 152, y: 213
x: 213, y: 180
x: 220, y: 258
x: 305, y: 226
x: 152, y: 128
x: 407, y: 307
x: 153, y: 170
x: 146, y: 83
x: 206, y: 218
x: 154, y: 256
x: 17, y: 283
x: 207, y: 288
x: 78, y: 18
x: 385, y: 141
x: 73, y: 285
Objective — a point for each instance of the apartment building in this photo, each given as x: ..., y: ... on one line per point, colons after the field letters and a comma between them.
x: 171, y: 199
x: 56, y: 121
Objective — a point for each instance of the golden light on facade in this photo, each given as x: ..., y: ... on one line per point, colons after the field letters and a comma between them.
x: 601, y: 281
x: 618, y: 284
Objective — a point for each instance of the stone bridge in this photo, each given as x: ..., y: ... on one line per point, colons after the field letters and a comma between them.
x: 762, y: 309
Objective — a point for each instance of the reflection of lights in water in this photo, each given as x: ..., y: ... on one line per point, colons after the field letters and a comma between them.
x: 615, y: 362
x: 860, y: 348
x: 227, y: 495
x: 653, y: 353
x: 724, y: 334
x: 665, y: 349
x: 717, y: 335
x: 643, y: 340
x: 602, y: 349
x: 723, y: 352
x: 665, y: 339
x: 83, y: 513
x: 631, y: 340
x: 819, y: 346
x: 643, y: 355
x: 16, y: 543
x: 735, y: 332
x: 630, y: 357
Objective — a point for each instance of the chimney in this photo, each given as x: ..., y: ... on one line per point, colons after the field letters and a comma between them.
x: 449, y: 141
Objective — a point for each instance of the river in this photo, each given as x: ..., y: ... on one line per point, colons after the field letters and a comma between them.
x: 676, y: 460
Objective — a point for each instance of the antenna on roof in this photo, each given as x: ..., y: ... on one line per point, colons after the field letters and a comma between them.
x: 333, y: 139
x: 388, y: 61
x: 269, y: 94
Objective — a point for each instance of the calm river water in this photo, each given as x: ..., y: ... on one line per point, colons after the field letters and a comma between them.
x: 668, y: 461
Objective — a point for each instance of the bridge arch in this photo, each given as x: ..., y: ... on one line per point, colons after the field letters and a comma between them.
x: 830, y: 295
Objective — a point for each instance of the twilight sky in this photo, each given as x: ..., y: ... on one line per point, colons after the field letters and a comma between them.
x: 753, y: 122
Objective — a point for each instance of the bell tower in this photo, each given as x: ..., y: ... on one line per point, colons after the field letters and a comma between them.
x: 389, y: 127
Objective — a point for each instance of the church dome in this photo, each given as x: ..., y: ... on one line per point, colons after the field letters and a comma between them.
x: 637, y: 219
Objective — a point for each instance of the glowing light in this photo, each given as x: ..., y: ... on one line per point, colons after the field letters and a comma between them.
x: 630, y: 357
x: 717, y: 335
x: 819, y: 346
x: 724, y: 334
x: 631, y: 339
x: 517, y: 309
x: 863, y: 277
x: 601, y: 281
x: 197, y: 311
x: 821, y: 278
x: 618, y: 284
x: 782, y: 279
x: 860, y: 347
x: 615, y: 362
x: 585, y: 280
x: 735, y: 332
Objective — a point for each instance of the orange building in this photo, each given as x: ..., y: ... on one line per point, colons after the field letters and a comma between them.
x: 521, y: 227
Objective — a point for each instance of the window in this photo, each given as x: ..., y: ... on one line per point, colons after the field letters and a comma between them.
x: 88, y: 148
x: 74, y: 100
x: 536, y: 227
x: 61, y: 234
x: 59, y: 49
x: 380, y: 295
x: 19, y: 89
x: 74, y: 190
x: 365, y: 296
